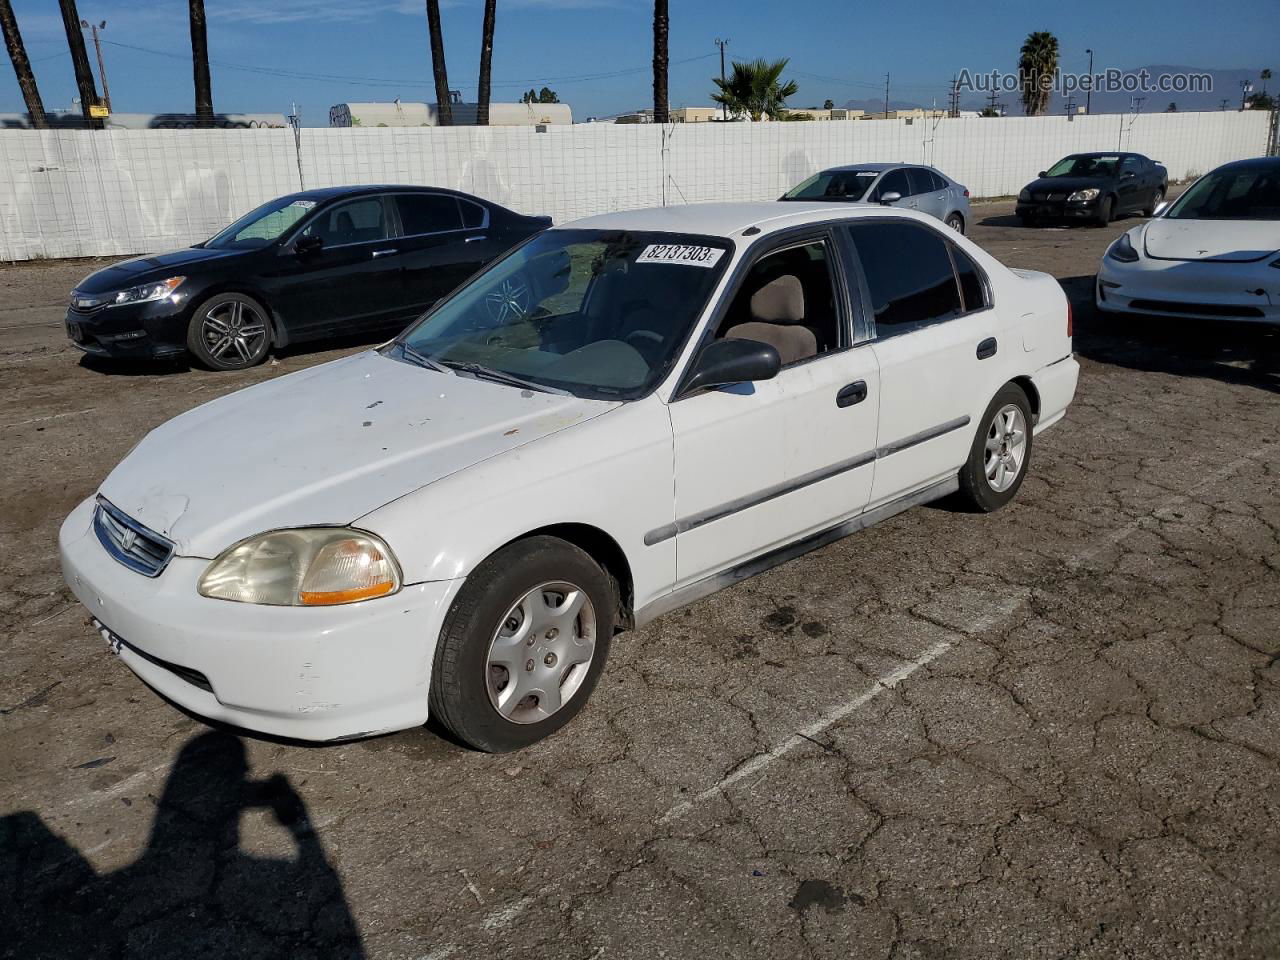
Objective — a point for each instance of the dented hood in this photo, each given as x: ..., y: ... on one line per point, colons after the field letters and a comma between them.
x: 323, y: 447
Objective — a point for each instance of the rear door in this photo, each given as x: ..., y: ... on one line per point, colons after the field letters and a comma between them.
x: 942, y: 350
x: 352, y: 282
x: 929, y: 192
x: 444, y: 240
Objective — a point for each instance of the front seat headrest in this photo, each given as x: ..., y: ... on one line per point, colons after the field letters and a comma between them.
x: 779, y: 301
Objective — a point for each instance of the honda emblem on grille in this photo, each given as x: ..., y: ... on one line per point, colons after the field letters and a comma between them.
x: 127, y: 540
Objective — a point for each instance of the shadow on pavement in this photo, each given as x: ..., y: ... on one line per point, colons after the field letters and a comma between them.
x: 1224, y: 350
x: 192, y: 893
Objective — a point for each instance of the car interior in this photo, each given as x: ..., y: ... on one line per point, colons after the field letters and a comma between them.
x: 361, y: 221
x: 787, y: 301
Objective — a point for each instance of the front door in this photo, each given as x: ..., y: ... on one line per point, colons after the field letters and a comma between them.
x: 351, y: 282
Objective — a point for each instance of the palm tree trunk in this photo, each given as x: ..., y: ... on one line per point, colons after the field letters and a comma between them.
x: 660, y: 30
x: 486, y: 62
x: 80, y: 61
x: 200, y: 65
x: 443, y: 103
x: 22, y: 66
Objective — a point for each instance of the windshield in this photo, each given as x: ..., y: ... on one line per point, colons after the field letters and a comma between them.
x: 600, y: 314
x: 262, y: 226
x: 1085, y: 166
x: 1231, y: 195
x: 834, y: 185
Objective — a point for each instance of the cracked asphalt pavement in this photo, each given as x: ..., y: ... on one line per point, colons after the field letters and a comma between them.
x: 1052, y: 732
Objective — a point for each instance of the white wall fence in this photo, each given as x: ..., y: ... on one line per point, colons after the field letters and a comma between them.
x: 75, y: 193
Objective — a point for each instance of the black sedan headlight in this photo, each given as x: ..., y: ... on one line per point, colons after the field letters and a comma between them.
x: 1024, y: 195
x: 1122, y: 250
x: 145, y: 292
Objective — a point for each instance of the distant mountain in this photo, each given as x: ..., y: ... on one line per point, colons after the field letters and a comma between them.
x: 1226, y: 86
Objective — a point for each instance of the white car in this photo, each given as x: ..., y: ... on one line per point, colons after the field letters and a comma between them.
x: 1213, y: 253
x: 620, y: 416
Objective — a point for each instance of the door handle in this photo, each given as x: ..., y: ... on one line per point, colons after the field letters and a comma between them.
x: 987, y: 348
x: 472, y: 239
x: 855, y: 392
x: 384, y: 253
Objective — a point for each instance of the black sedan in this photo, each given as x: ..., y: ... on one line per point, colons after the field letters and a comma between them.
x: 308, y: 265
x: 1095, y: 187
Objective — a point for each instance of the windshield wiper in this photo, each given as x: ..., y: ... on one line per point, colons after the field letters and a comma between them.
x: 481, y: 372
x: 419, y: 360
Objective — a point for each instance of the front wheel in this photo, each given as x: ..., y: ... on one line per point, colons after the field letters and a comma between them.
x: 1156, y: 199
x: 229, y: 331
x: 523, y: 645
x: 1001, y: 452
x: 1104, y: 214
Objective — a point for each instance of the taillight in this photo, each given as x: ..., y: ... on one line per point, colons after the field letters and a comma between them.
x: 966, y: 191
x: 1070, y: 324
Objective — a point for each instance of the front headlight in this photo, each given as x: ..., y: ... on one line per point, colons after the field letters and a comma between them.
x: 1024, y: 195
x: 308, y: 567
x: 1088, y: 193
x: 1122, y: 250
x: 145, y: 292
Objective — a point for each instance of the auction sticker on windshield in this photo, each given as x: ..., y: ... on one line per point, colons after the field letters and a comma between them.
x: 680, y: 253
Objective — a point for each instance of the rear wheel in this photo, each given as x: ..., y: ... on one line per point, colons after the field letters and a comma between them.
x: 523, y: 645
x: 1000, y: 454
x: 1105, y: 211
x: 955, y: 222
x: 229, y: 331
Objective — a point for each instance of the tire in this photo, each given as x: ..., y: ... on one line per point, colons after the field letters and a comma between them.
x: 1105, y: 212
x: 470, y: 693
x: 978, y: 490
x: 956, y: 223
x: 1157, y: 198
x: 212, y: 333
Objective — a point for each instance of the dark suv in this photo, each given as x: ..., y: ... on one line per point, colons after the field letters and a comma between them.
x: 1094, y: 187
x: 304, y: 266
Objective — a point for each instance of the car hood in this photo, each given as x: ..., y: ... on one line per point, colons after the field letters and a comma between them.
x: 160, y: 266
x: 323, y: 447
x: 1235, y: 241
x: 1067, y: 184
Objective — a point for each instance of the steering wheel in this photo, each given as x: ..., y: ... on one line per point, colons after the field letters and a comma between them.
x: 509, y: 301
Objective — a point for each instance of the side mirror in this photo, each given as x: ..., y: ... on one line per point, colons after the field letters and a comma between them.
x: 893, y: 196
x: 723, y: 362
x: 308, y: 245
x: 1042, y: 174
x: 1161, y: 207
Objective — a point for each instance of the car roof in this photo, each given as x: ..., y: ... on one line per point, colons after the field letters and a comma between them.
x: 1252, y: 163
x: 869, y: 166
x: 728, y: 219
x: 1107, y: 153
x: 328, y: 193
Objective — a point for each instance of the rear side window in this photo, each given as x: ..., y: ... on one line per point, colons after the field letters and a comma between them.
x: 972, y: 289
x: 908, y: 273
x: 428, y: 213
x: 922, y: 181
x: 472, y: 214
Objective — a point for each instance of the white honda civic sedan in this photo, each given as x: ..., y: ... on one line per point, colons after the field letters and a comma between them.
x: 1214, y: 253
x: 620, y: 416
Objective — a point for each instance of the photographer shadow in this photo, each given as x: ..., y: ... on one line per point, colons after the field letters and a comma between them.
x: 193, y: 892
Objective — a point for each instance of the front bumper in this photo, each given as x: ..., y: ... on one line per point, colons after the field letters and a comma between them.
x: 310, y: 674
x: 1185, y: 290
x: 1058, y: 209
x: 154, y: 329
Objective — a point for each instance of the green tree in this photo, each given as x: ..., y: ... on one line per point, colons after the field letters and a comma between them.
x: 1265, y: 75
x: 989, y: 112
x: 1037, y: 64
x: 1261, y: 101
x: 545, y: 95
x: 756, y: 89
x: 1171, y: 108
x: 828, y: 104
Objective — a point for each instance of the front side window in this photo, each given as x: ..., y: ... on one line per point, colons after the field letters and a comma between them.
x: 428, y: 213
x: 895, y: 181
x: 264, y: 225
x: 847, y: 185
x: 596, y: 313
x: 1248, y: 194
x: 356, y: 221
x: 908, y: 274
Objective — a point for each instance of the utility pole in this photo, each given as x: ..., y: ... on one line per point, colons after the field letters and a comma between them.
x: 1088, y: 93
x: 102, y: 67
x: 1245, y: 88
x: 1222, y: 104
x: 80, y: 61
x: 886, y: 96
x: 955, y: 97
x: 22, y: 66
x: 991, y: 104
x: 724, y: 107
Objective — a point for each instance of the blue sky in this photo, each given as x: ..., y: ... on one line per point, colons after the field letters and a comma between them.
x: 596, y: 53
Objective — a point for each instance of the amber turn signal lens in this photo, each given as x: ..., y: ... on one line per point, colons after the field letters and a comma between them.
x: 321, y: 598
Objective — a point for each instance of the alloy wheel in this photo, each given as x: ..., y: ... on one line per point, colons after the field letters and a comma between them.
x: 1006, y: 447
x: 233, y: 332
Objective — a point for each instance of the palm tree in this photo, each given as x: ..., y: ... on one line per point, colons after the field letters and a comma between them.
x: 486, y: 62
x: 1037, y: 64
x: 756, y: 89
x: 1265, y: 75
x: 660, y: 31
x: 79, y: 60
x: 22, y: 66
x: 443, y: 103
x: 200, y: 64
